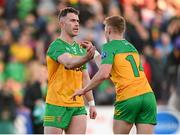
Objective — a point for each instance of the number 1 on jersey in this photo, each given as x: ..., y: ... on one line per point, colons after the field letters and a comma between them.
x: 135, y: 69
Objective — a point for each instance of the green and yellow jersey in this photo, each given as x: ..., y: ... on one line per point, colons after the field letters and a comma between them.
x: 127, y: 72
x: 63, y: 82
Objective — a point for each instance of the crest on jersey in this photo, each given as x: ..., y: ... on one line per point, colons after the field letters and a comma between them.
x: 103, y: 55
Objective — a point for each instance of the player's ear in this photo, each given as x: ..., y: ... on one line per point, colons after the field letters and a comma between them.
x: 109, y: 30
x: 61, y: 22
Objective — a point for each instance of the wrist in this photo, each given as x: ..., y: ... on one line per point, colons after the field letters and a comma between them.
x: 91, y: 103
x: 86, y: 58
x: 96, y: 54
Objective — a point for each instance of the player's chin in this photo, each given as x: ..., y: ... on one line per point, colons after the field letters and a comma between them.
x: 75, y: 33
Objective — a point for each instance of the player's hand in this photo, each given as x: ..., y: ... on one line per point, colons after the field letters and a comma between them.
x: 77, y: 93
x: 90, y: 54
x: 86, y: 44
x: 92, y: 112
x: 89, y: 48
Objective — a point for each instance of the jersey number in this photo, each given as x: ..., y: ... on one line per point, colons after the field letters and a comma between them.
x: 135, y: 69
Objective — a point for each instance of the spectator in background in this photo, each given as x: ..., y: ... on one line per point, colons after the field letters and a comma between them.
x: 157, y: 67
x: 10, y: 10
x: 147, y: 68
x: 6, y: 39
x: 35, y: 92
x: 50, y: 35
x: 146, y: 58
x: 2, y: 75
x: 174, y: 28
x: 7, y: 110
x: 155, y: 29
x: 15, y: 26
x: 22, y: 51
x: 23, y: 123
x: 165, y: 45
x: 135, y: 33
x: 24, y: 7
x: 172, y: 72
x: 15, y: 71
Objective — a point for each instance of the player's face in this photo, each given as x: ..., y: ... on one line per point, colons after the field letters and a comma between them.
x: 71, y: 24
x: 106, y: 30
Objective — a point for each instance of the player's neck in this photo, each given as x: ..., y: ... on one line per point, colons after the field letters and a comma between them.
x: 116, y: 37
x: 66, y: 38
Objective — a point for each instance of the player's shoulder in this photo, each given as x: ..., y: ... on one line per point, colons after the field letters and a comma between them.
x: 56, y: 42
x: 106, y: 45
x: 52, y: 46
x: 126, y: 46
x: 113, y: 45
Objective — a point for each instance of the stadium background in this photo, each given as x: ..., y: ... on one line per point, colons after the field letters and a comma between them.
x: 27, y: 27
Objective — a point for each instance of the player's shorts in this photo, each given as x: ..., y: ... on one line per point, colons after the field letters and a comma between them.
x: 140, y: 109
x: 60, y: 117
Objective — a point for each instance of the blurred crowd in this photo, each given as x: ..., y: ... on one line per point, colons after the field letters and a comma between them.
x: 27, y: 27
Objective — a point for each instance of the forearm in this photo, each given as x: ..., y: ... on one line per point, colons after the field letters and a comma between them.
x: 96, y: 80
x: 70, y: 61
x: 89, y: 96
x: 77, y: 62
x: 74, y: 62
x: 97, y: 60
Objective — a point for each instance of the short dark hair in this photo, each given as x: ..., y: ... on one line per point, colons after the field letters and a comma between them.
x: 116, y: 22
x: 67, y: 10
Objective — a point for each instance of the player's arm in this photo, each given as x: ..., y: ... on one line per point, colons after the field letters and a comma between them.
x: 89, y: 96
x: 74, y: 62
x: 97, y: 58
x: 102, y: 74
x: 104, y: 69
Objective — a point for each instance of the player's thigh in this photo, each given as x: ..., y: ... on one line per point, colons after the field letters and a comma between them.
x: 78, y: 125
x: 121, y: 127
x: 127, y: 110
x: 52, y: 130
x: 148, y: 111
x: 145, y: 128
x: 57, y: 116
x: 125, y: 114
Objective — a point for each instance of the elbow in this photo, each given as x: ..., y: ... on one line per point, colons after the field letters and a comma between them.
x: 68, y: 63
x: 69, y: 66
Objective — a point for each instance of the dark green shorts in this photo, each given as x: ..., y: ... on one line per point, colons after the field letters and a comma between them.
x: 60, y: 117
x: 139, y: 109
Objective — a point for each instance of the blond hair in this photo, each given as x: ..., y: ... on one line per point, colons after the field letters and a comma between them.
x: 116, y: 22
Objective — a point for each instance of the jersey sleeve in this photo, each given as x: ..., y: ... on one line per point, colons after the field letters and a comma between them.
x: 107, y: 54
x: 55, y: 50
